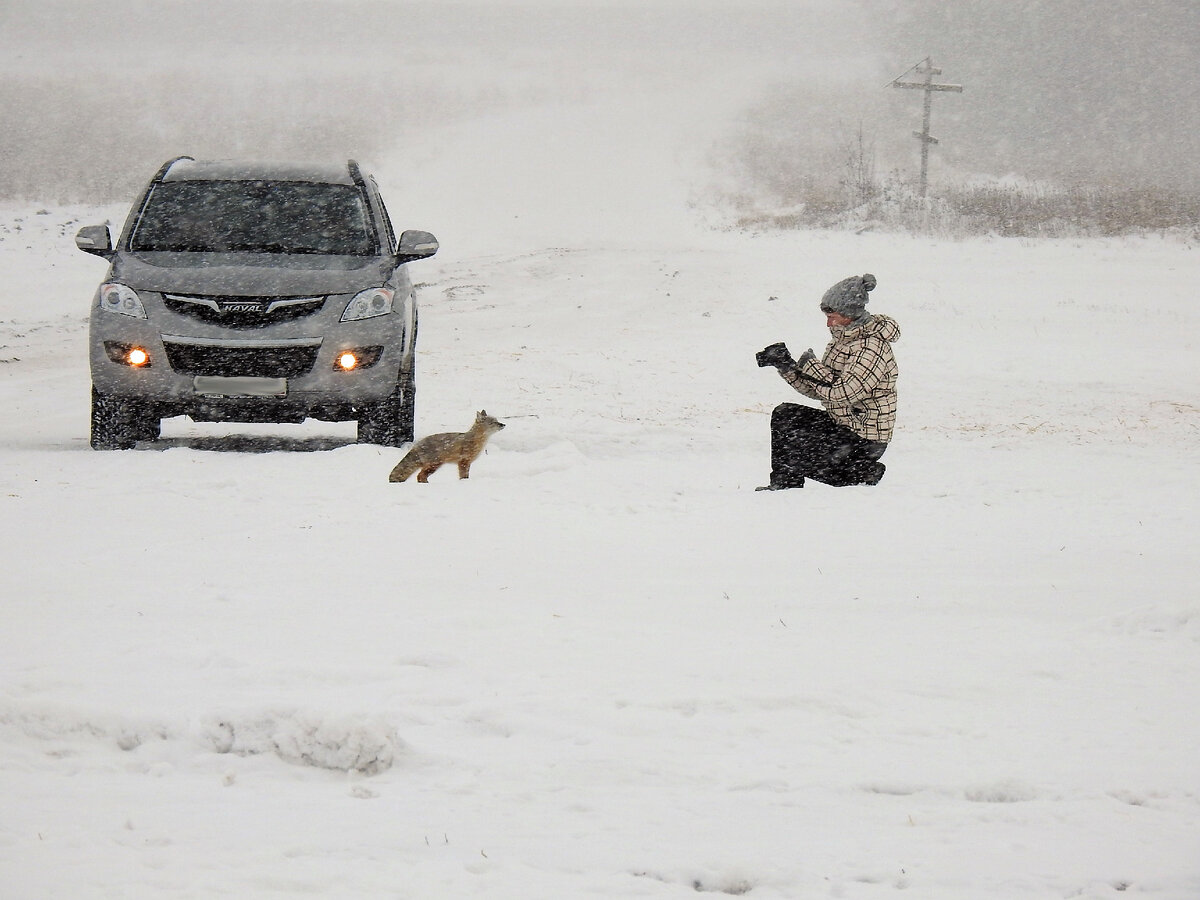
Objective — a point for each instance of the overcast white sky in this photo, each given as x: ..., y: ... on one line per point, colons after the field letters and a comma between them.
x: 94, y: 95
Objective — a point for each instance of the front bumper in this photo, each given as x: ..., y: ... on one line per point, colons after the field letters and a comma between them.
x: 267, y: 377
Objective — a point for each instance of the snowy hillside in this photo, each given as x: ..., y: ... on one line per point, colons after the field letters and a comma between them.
x: 236, y: 662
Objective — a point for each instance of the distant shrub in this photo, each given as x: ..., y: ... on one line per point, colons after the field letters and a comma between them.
x: 1006, y: 210
x: 1079, y: 211
x: 780, y: 170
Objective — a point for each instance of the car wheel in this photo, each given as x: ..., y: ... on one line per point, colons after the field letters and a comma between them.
x: 408, y: 405
x: 151, y: 427
x: 408, y: 391
x: 119, y: 422
x: 389, y: 422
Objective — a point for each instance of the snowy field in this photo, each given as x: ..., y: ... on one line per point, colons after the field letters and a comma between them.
x: 236, y: 662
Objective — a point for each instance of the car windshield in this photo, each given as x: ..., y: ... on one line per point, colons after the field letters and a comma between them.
x: 255, y: 217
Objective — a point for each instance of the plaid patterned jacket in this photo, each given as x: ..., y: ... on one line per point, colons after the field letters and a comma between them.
x: 856, y: 378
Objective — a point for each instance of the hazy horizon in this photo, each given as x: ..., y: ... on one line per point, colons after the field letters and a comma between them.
x: 97, y: 95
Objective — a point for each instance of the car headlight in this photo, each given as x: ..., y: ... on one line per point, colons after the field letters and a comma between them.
x: 369, y: 303
x: 118, y: 298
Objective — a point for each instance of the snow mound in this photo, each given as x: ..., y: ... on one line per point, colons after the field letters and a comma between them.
x: 363, y: 744
x: 1161, y: 622
x: 1006, y: 791
x: 704, y: 882
x: 63, y: 728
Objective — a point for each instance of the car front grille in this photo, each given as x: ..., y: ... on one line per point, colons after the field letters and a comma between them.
x: 243, y: 312
x: 281, y: 360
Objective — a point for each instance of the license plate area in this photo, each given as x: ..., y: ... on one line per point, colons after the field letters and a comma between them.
x: 244, y: 386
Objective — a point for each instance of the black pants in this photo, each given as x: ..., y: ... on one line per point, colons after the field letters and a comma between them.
x: 807, y: 443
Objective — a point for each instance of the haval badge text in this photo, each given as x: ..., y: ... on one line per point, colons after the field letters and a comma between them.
x: 252, y: 293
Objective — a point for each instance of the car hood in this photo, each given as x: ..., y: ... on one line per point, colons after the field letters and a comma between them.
x: 248, y: 274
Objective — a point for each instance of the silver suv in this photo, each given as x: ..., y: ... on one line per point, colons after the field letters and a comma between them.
x: 252, y: 293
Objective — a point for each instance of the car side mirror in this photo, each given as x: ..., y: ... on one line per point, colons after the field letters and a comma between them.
x: 416, y: 245
x: 94, y: 239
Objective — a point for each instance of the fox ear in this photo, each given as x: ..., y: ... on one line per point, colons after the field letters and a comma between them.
x: 482, y: 413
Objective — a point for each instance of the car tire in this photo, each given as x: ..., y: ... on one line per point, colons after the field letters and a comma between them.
x: 408, y: 389
x: 408, y: 405
x: 389, y: 423
x: 151, y: 427
x: 379, y: 423
x: 119, y: 422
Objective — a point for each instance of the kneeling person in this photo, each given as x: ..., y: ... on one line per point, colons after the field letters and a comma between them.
x: 855, y: 382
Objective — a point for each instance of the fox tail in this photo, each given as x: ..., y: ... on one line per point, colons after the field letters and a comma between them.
x: 404, y: 469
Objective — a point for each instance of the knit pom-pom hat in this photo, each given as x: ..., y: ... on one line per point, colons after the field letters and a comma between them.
x: 849, y: 296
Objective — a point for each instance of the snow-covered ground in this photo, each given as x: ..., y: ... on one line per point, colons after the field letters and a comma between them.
x: 236, y: 662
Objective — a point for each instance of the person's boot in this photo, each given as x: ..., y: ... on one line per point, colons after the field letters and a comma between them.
x: 778, y: 483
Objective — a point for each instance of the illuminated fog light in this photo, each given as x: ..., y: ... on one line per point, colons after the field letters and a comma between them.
x: 128, y: 355
x: 354, y: 359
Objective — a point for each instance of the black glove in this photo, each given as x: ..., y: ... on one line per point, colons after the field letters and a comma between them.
x: 776, y: 355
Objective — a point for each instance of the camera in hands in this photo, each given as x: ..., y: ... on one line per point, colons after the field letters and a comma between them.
x: 774, y: 355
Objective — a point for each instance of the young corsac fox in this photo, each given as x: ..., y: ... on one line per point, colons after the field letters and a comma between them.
x: 431, y: 453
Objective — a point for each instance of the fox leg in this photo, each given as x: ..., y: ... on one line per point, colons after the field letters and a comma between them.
x: 423, y: 475
x: 464, y: 469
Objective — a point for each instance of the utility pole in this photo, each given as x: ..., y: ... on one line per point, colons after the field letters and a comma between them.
x: 926, y: 68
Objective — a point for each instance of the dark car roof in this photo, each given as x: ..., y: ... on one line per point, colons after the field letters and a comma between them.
x: 233, y: 170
